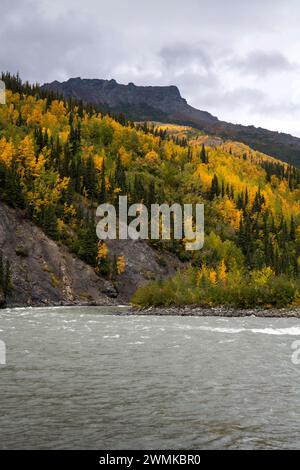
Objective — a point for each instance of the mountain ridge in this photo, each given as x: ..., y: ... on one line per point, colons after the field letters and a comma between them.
x: 142, y: 99
x: 165, y: 103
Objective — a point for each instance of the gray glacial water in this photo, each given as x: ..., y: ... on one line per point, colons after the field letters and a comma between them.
x: 81, y: 378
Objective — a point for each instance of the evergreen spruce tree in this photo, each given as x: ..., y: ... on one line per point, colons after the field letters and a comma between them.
x: 214, y: 190
x: 88, y: 242
x: 102, y: 193
x: 292, y: 230
x: 223, y: 189
x: 203, y: 155
x: 120, y: 177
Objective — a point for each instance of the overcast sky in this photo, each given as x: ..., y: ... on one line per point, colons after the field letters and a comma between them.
x: 237, y: 59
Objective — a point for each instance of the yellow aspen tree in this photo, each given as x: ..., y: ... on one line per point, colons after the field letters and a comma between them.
x: 26, y: 154
x: 61, y: 226
x: 222, y: 272
x: 152, y: 157
x: 125, y: 156
x: 213, y: 277
x: 69, y: 210
x: 121, y: 264
x: 102, y: 250
x: 40, y: 165
x: 98, y: 161
x: 7, y: 151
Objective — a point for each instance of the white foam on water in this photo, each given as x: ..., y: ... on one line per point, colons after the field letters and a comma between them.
x: 222, y: 330
x: 111, y: 336
x: 291, y: 331
x: 67, y: 328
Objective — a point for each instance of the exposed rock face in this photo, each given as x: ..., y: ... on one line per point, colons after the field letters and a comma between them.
x: 143, y: 264
x: 43, y: 272
x: 166, y: 104
x: 142, y: 102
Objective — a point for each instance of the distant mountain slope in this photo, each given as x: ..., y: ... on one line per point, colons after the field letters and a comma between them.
x: 166, y: 105
x: 142, y: 102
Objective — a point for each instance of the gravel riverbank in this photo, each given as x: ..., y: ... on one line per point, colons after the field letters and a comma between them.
x: 217, y: 312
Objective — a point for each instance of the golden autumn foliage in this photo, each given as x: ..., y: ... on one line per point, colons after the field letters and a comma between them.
x: 229, y: 212
x: 98, y: 160
x: 7, y: 151
x: 102, y: 250
x: 213, y: 277
x: 121, y: 264
x: 152, y: 157
x: 26, y: 155
x: 222, y: 272
x: 57, y: 161
x: 125, y: 156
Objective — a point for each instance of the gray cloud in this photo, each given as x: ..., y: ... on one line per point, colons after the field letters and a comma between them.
x: 239, y: 97
x: 186, y: 55
x: 260, y: 62
x: 216, y: 52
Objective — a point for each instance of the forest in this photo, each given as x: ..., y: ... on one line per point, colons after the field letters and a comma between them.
x: 59, y: 159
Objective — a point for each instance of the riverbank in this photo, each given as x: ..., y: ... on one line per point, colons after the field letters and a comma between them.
x: 188, y: 311
x: 18, y: 305
x: 217, y: 312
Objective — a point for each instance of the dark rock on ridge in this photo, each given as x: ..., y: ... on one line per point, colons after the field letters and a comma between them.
x: 142, y: 102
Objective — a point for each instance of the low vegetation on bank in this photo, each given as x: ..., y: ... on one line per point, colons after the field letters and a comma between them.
x: 210, y: 288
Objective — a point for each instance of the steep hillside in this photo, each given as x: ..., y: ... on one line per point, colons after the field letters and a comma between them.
x: 166, y: 104
x: 44, y: 273
x: 58, y: 161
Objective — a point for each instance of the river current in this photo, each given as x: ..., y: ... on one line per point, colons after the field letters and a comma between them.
x: 84, y: 378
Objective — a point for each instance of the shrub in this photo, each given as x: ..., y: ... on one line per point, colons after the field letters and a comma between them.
x: 235, y: 289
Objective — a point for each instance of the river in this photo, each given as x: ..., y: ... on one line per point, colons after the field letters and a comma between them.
x: 82, y: 378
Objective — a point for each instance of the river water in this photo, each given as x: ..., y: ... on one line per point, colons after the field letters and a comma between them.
x: 81, y: 378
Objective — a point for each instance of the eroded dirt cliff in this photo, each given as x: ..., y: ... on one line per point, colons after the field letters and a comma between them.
x: 46, y: 273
